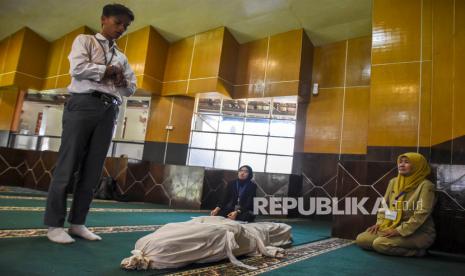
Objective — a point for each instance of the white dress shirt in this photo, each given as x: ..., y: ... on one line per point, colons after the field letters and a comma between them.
x: 87, y: 67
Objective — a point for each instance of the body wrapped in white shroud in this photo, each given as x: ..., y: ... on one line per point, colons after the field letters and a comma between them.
x: 207, y: 239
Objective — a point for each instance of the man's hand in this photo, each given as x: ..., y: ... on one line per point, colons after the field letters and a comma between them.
x: 111, y: 71
x: 390, y: 233
x: 116, y: 75
x: 215, y: 211
x: 232, y: 215
x: 120, y: 80
x: 373, y: 229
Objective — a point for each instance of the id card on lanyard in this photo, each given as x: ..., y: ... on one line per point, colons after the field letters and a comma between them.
x: 240, y: 192
x: 392, y: 214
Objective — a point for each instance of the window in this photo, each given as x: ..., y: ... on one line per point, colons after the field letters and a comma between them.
x: 226, y: 134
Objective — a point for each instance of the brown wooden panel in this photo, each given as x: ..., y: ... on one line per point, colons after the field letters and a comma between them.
x: 355, y: 128
x: 394, y: 105
x: 251, y: 62
x: 306, y: 66
x: 68, y: 43
x: 328, y: 65
x: 358, y: 61
x: 183, y: 108
x: 150, y: 84
x: 24, y: 81
x: 136, y: 50
x: 396, y: 31
x: 179, y: 60
x: 229, y: 55
x: 207, y: 54
x: 202, y: 85
x: 122, y: 42
x: 278, y: 89
x: 323, y: 129
x: 8, y: 99
x: 159, y: 117
x: 14, y: 51
x: 225, y: 88
x: 174, y: 88
x: 55, y: 54
x: 284, y: 55
x: 156, y: 55
x: 33, y: 57
x: 3, y: 52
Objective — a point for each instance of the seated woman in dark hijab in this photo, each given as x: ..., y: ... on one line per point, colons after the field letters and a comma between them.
x: 237, y: 203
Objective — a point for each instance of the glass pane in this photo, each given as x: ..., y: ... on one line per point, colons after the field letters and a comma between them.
x: 133, y: 151
x: 234, y: 107
x: 203, y: 122
x: 258, y: 108
x: 279, y: 164
x: 231, y: 124
x: 281, y: 146
x: 254, y: 144
x: 284, y: 109
x: 25, y: 142
x: 51, y: 144
x: 203, y: 158
x: 209, y: 105
x: 256, y: 126
x: 256, y: 161
x: 282, y: 128
x: 203, y: 140
x: 227, y: 160
x: 229, y: 142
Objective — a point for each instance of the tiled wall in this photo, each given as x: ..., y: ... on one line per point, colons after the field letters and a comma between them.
x: 337, y: 118
x: 416, y: 92
x: 414, y: 104
x: 168, y: 146
x: 174, y: 186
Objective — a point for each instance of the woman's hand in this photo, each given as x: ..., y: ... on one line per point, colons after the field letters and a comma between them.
x: 232, y: 215
x: 215, y: 211
x: 373, y: 229
x: 390, y: 233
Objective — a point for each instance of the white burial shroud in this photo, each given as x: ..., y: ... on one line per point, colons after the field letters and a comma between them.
x: 207, y: 239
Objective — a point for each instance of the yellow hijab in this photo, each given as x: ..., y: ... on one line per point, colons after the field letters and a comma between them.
x: 405, y: 184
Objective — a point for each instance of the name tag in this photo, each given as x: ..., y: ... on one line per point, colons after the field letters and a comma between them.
x: 390, y: 215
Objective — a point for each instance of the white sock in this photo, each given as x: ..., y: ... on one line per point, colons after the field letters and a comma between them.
x: 59, y: 235
x: 83, y: 232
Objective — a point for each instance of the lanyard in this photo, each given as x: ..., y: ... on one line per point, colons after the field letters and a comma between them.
x: 397, y: 198
x: 105, y: 53
x: 240, y: 190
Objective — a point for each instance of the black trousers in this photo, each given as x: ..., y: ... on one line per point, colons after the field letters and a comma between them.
x: 88, y: 123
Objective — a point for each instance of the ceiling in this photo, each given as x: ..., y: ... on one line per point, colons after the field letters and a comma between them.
x: 324, y: 21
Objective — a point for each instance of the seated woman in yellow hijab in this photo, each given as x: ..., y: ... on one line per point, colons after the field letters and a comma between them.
x: 405, y: 226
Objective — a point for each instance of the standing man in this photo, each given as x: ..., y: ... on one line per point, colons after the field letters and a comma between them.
x: 100, y: 76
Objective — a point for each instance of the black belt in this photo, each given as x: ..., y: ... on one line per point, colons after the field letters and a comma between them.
x: 106, y: 98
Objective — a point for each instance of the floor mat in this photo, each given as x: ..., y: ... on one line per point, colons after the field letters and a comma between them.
x: 352, y: 260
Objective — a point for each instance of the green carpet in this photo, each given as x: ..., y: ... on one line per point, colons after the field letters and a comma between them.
x: 110, y: 204
x: 309, y: 231
x: 102, y: 258
x: 27, y: 220
x: 352, y: 260
x: 38, y: 256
